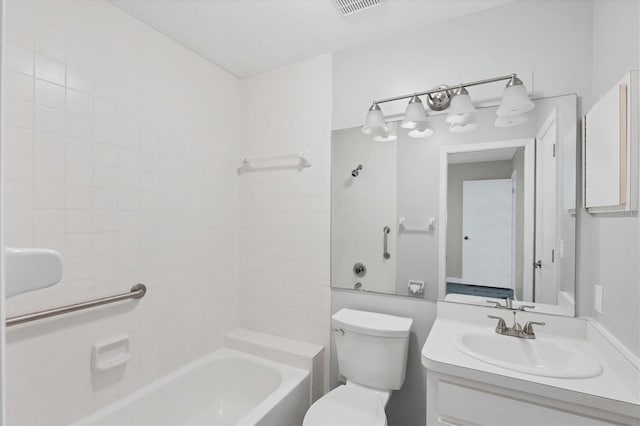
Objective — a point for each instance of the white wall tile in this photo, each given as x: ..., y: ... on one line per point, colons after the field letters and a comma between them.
x: 19, y: 86
x: 48, y: 170
x: 50, y: 120
x: 48, y: 195
x: 19, y: 59
x: 284, y: 234
x: 50, y: 69
x: 80, y: 145
x: 79, y: 79
x: 18, y: 140
x: 49, y: 94
x: 79, y: 126
x: 19, y: 113
x: 80, y: 103
x: 49, y: 145
x: 77, y: 173
x: 48, y: 220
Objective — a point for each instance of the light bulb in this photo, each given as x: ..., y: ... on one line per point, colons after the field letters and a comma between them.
x: 461, y: 109
x: 422, y: 130
x: 515, y: 99
x: 374, y: 121
x: 414, y: 114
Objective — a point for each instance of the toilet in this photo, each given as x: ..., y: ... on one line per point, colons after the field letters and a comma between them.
x: 372, y: 356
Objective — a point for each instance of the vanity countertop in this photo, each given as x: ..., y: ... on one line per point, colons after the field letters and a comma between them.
x: 615, y: 388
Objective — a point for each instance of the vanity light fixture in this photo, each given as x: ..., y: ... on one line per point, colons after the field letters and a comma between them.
x: 461, y: 117
x: 461, y: 109
x: 515, y: 99
x: 414, y: 114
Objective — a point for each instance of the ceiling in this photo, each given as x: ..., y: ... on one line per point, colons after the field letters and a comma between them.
x: 246, y: 37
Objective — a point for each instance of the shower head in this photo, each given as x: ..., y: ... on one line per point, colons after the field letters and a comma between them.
x: 355, y: 172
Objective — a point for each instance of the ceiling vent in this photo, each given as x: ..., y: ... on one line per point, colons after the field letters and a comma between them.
x: 349, y: 7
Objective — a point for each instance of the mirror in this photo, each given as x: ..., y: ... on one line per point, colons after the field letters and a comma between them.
x: 465, y: 217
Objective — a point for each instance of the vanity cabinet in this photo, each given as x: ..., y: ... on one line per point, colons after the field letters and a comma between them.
x: 453, y: 400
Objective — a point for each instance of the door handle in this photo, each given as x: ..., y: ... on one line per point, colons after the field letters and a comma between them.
x: 466, y: 237
x: 538, y: 264
x: 385, y: 232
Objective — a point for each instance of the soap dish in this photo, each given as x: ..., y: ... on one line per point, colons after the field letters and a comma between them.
x: 110, y: 353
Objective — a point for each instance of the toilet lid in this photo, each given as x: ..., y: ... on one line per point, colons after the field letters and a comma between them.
x: 346, y: 406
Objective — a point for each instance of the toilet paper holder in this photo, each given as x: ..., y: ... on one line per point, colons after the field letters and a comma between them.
x: 416, y: 287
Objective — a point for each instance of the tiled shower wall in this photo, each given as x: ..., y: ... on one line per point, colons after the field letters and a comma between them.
x: 284, y: 210
x: 120, y: 152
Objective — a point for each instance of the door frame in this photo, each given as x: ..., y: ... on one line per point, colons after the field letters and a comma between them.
x: 528, y: 215
x: 551, y: 119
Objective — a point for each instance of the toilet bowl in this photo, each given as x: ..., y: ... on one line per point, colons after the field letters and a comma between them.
x: 349, y: 404
x: 372, y: 355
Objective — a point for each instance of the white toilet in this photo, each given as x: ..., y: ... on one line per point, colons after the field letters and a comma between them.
x: 372, y: 356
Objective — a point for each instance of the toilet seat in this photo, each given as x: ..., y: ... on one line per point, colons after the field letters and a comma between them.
x: 348, y: 405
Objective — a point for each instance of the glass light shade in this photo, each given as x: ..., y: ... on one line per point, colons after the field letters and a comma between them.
x: 463, y: 127
x: 374, y: 131
x: 461, y: 109
x: 422, y: 130
x: 515, y: 101
x: 414, y: 114
x: 511, y: 120
x: 374, y: 121
x: 387, y: 135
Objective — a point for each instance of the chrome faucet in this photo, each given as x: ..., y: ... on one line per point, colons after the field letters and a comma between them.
x: 508, y: 304
x: 516, y: 330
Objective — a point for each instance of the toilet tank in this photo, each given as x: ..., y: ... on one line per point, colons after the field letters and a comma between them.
x: 372, y: 348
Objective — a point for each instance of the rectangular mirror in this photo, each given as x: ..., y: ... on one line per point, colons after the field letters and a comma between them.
x: 464, y: 217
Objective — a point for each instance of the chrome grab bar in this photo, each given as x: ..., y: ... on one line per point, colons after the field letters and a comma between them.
x: 137, y: 292
x: 385, y: 232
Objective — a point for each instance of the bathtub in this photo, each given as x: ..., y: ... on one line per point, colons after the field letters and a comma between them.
x: 226, y: 387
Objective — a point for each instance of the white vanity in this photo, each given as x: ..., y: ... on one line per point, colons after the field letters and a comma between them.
x: 476, y: 376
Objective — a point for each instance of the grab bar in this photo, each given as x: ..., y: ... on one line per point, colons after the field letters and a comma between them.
x: 137, y: 292
x: 385, y: 253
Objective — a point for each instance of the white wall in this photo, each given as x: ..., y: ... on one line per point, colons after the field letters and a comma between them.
x: 552, y: 39
x: 610, y: 246
x: 120, y: 152
x: 284, y: 211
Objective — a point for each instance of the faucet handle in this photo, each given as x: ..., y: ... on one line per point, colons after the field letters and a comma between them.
x: 496, y: 303
x: 502, y: 325
x: 523, y: 307
x: 528, y: 327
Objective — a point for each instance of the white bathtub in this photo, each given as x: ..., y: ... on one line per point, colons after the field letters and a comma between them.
x: 226, y: 387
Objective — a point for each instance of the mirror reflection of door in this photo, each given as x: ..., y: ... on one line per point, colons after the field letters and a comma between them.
x: 487, y: 228
x: 546, y: 232
x: 485, y: 223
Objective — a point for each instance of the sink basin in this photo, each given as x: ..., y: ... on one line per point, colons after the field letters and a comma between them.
x: 543, y: 356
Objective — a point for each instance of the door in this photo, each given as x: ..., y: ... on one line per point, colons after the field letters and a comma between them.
x: 487, y: 233
x: 545, y: 275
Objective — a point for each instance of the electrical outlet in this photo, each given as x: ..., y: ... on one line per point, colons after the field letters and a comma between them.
x: 597, y: 299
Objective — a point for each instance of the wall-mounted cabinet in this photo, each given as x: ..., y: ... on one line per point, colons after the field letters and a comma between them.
x: 610, y: 150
